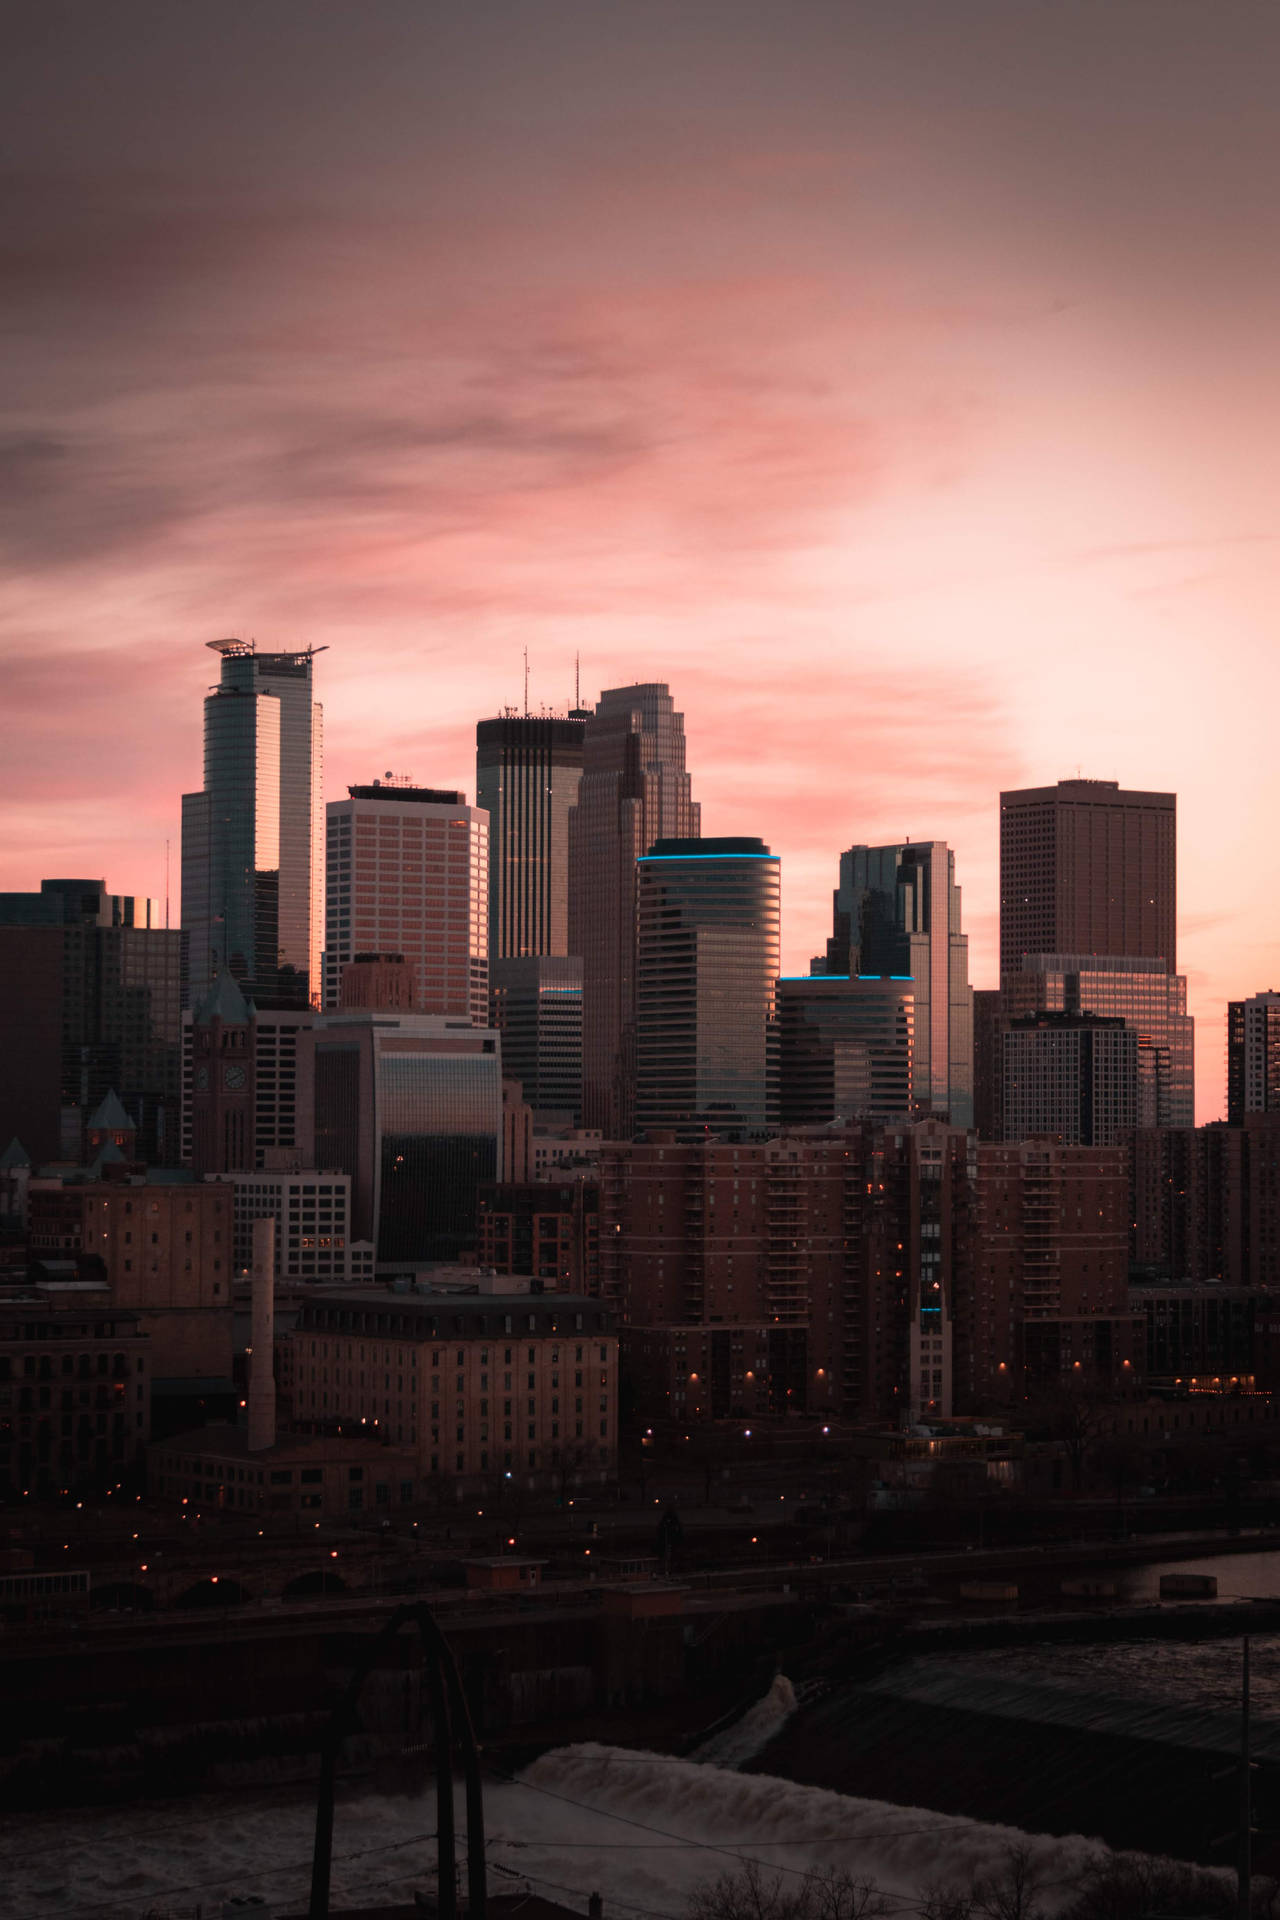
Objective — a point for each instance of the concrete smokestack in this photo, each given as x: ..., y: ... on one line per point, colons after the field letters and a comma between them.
x: 262, y: 1374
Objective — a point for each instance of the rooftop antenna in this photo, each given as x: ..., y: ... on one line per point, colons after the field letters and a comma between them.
x: 577, y: 680
x: 166, y: 885
x: 526, y: 683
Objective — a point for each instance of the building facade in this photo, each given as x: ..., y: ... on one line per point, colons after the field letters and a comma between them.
x: 1253, y: 1056
x: 634, y: 790
x: 897, y: 915
x: 1072, y: 1076
x: 75, y: 1392
x: 90, y: 1001
x: 252, y: 838
x: 536, y: 1006
x: 312, y: 1212
x: 407, y: 873
x: 410, y: 1105
x: 708, y: 954
x: 844, y: 1049
x: 480, y: 1387
x: 1087, y: 866
x: 548, y: 1229
x: 528, y: 767
x: 1150, y: 1000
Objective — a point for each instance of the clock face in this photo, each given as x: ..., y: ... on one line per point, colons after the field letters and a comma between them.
x: 233, y: 1078
x: 202, y: 1079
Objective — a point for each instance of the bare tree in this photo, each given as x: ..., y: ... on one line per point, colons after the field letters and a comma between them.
x: 752, y: 1892
x: 1013, y: 1891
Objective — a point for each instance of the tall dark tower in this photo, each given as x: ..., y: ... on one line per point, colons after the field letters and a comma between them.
x: 897, y: 915
x: 708, y: 957
x: 634, y: 790
x: 253, y: 838
x: 1087, y: 867
x: 527, y: 771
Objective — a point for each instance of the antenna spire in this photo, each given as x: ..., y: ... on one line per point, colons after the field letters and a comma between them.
x: 577, y: 680
x: 526, y: 683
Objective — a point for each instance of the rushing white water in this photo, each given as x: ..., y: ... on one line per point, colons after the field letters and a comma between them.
x: 641, y: 1829
x: 734, y: 1746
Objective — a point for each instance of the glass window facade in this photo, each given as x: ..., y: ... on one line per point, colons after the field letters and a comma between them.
x: 707, y: 960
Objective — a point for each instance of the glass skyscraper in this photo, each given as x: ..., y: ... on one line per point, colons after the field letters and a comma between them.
x: 634, y: 791
x: 897, y: 914
x: 527, y: 771
x: 844, y: 1049
x: 708, y: 948
x: 252, y: 839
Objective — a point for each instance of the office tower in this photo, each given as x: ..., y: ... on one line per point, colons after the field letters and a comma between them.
x: 1253, y: 1056
x: 844, y: 1049
x: 1087, y: 867
x: 407, y: 873
x: 1142, y: 993
x: 897, y: 914
x: 90, y: 999
x: 1070, y: 1075
x: 537, y: 1007
x: 527, y: 771
x: 634, y: 790
x: 708, y: 951
x: 312, y: 1214
x: 252, y: 839
x: 410, y: 1105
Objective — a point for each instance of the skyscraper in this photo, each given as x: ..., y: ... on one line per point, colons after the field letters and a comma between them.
x: 634, y: 790
x: 1253, y: 1056
x: 407, y: 873
x: 897, y: 914
x: 1087, y: 867
x: 707, y: 960
x: 1138, y: 991
x: 527, y: 771
x: 252, y: 839
x: 90, y: 1002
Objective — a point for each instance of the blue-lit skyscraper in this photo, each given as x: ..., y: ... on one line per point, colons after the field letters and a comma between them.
x: 253, y: 838
x: 897, y: 913
x: 708, y: 947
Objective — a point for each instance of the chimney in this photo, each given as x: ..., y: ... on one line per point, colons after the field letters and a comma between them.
x: 262, y: 1375
x: 595, y: 1908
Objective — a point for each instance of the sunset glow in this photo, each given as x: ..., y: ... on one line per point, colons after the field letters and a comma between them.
x: 899, y: 384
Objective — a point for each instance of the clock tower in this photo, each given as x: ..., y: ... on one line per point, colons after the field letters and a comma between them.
x: 222, y: 1081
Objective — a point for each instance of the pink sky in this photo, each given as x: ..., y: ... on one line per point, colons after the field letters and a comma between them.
x: 898, y: 383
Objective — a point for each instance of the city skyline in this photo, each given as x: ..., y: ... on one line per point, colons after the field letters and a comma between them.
x: 844, y: 371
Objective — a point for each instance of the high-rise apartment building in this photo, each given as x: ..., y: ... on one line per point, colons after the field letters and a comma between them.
x: 1253, y: 1056
x: 1087, y: 867
x: 527, y: 771
x: 897, y: 915
x: 1071, y: 1076
x: 252, y: 839
x: 708, y: 952
x: 407, y: 873
x: 90, y: 1001
x: 634, y: 790
x: 844, y: 1049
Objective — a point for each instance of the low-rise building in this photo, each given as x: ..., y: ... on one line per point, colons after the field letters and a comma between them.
x: 480, y: 1387
x: 312, y: 1475
x: 75, y: 1390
